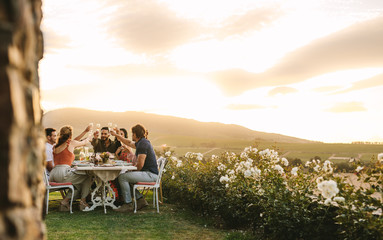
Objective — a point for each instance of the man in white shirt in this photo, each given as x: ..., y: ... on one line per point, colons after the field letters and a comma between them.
x: 51, y: 136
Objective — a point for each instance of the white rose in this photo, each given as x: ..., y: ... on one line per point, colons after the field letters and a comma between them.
x: 285, y: 162
x: 279, y: 169
x: 294, y: 171
x: 339, y: 199
x: 328, y: 188
x: 359, y: 168
x: 247, y: 173
x: 179, y: 163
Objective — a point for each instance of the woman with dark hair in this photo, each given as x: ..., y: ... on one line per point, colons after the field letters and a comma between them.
x: 147, y: 169
x: 124, y: 152
x: 63, y: 157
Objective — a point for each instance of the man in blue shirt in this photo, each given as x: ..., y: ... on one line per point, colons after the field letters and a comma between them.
x: 147, y: 169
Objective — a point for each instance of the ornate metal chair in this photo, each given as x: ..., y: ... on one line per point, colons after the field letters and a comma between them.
x: 151, y: 185
x: 54, y: 186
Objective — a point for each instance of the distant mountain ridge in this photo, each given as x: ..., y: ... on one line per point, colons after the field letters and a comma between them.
x: 159, y: 125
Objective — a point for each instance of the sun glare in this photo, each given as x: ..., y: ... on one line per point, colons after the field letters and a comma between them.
x: 85, y: 62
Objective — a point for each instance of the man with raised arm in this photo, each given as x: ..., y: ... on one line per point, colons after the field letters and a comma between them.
x: 105, y: 144
x: 147, y: 169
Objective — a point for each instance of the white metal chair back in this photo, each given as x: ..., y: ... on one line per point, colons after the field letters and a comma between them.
x: 152, y: 185
x: 161, y: 166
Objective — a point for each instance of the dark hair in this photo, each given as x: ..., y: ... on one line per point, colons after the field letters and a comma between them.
x: 49, y: 131
x: 125, y: 132
x: 140, y: 131
x: 65, y: 134
x: 105, y: 128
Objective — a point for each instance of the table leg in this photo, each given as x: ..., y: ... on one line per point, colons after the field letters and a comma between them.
x: 96, y: 199
x: 103, y: 196
x: 110, y: 196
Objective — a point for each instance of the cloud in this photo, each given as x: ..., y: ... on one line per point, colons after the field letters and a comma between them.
x: 244, y: 106
x: 254, y: 19
x: 149, y: 27
x: 358, y: 46
x: 282, y: 90
x: 375, y: 81
x: 347, y: 107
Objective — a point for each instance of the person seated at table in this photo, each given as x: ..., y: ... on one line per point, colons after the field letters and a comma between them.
x: 63, y: 157
x: 125, y: 152
x: 105, y: 144
x: 147, y: 169
x: 50, y: 135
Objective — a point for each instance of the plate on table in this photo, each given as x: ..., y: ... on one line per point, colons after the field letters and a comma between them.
x: 80, y: 162
x: 107, y: 165
x: 124, y: 164
x: 83, y: 165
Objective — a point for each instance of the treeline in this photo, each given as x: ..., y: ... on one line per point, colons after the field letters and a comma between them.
x: 374, y: 143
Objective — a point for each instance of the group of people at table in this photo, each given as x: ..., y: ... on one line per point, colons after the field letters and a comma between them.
x: 60, y: 156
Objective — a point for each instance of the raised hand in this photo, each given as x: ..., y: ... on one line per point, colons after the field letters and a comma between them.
x: 95, y: 134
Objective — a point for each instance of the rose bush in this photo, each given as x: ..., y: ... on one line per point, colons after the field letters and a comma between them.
x: 260, y: 191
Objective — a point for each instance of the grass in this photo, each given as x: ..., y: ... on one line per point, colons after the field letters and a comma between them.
x: 172, y: 222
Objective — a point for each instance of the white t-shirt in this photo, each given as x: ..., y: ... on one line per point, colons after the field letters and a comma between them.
x: 49, y: 152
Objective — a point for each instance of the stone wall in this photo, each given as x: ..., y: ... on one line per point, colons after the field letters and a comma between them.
x: 21, y: 133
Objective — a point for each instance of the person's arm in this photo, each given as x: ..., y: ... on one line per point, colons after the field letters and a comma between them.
x: 123, y: 140
x: 119, y: 150
x: 87, y: 129
x: 140, y: 161
x: 74, y: 144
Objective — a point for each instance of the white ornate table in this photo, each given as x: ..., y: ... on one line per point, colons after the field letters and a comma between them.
x: 103, y: 194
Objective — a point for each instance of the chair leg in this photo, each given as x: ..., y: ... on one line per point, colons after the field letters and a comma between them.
x: 158, y: 208
x: 134, y: 197
x: 71, y: 201
x: 47, y: 201
x: 162, y: 200
x: 154, y: 198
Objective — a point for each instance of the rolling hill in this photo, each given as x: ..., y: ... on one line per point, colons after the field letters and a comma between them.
x: 164, y: 129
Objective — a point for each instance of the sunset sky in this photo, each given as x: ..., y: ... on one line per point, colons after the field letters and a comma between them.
x: 311, y: 69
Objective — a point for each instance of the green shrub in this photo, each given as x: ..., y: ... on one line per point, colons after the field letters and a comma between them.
x: 263, y: 193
